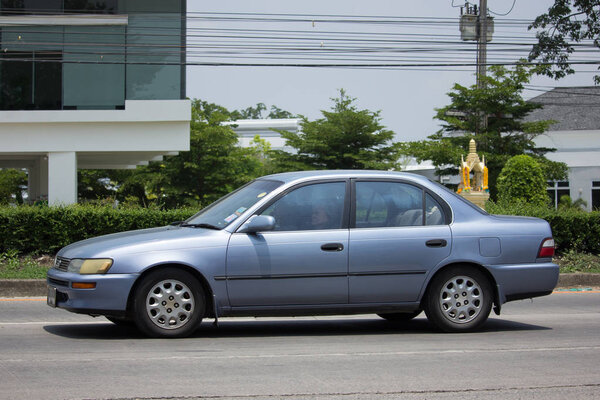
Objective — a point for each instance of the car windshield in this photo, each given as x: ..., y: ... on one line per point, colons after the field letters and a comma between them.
x: 227, y: 209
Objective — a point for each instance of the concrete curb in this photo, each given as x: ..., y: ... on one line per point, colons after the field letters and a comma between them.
x: 22, y: 287
x: 37, y: 287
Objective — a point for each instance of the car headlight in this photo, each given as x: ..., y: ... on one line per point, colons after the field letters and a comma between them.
x: 90, y: 266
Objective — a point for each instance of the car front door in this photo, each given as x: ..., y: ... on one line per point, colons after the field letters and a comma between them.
x: 304, y: 260
x: 398, y: 233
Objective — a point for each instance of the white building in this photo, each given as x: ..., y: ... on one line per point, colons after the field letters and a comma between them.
x: 576, y: 138
x: 248, y: 129
x: 90, y: 85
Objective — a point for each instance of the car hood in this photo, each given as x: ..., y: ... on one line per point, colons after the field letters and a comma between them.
x: 144, y: 240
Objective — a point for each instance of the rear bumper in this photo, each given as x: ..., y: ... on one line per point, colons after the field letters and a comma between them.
x: 523, y: 281
x: 109, y: 297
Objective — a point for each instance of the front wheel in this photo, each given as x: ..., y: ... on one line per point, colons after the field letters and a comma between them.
x: 459, y: 299
x: 169, y: 302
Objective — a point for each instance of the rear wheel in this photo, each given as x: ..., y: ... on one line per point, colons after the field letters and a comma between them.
x: 459, y: 299
x: 169, y: 302
x: 400, y: 316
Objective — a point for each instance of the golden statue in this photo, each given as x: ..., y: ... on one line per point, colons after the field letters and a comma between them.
x: 475, y: 190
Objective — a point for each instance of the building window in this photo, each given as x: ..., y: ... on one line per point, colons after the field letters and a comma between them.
x: 28, y: 7
x: 557, y: 189
x: 91, y: 7
x: 596, y: 195
x: 31, y: 80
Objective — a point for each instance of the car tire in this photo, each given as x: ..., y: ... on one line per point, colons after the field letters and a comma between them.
x: 400, y: 316
x: 169, y: 302
x: 459, y: 299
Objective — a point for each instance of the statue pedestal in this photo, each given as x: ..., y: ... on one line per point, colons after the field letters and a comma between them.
x: 477, y: 198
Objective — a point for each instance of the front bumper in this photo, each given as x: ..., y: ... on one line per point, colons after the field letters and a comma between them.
x: 523, y: 281
x: 109, y: 297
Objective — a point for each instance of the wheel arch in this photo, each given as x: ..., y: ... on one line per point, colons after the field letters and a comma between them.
x: 479, y: 267
x: 208, y: 292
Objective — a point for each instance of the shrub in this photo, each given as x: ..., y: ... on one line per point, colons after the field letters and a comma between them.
x: 43, y: 230
x: 522, y: 181
x: 572, y: 229
x: 572, y: 261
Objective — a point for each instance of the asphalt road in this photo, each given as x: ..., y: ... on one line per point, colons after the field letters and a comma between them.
x: 545, y: 349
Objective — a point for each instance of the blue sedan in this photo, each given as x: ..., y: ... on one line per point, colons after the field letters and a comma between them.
x: 313, y: 243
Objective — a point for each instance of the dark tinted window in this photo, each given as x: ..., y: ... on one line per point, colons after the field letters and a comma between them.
x: 392, y: 204
x: 30, y: 81
x: 16, y: 81
x: 26, y: 7
x: 91, y: 6
x: 434, y: 214
x: 311, y: 207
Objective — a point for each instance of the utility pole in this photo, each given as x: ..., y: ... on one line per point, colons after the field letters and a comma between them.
x: 482, y: 43
x: 482, y: 36
x: 475, y: 26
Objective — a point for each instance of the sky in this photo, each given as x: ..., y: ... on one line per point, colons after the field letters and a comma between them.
x: 405, y: 98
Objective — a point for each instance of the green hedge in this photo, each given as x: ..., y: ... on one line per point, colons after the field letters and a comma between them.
x: 572, y: 229
x: 44, y: 230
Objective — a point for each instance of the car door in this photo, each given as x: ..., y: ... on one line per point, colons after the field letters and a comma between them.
x: 398, y: 233
x: 304, y: 260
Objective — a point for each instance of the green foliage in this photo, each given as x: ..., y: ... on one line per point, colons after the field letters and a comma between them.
x: 506, y: 135
x: 572, y: 261
x: 572, y: 230
x: 14, y: 267
x: 345, y: 138
x: 12, y: 184
x: 522, y: 180
x: 258, y: 112
x: 214, y: 165
x: 44, y: 230
x: 565, y: 203
x: 566, y: 23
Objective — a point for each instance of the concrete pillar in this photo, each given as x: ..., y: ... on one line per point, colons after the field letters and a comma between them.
x: 62, y: 178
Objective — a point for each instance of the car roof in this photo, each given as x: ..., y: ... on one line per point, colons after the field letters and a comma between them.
x: 288, y: 177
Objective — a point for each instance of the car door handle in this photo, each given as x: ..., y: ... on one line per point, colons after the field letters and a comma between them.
x: 436, y: 243
x: 332, y: 247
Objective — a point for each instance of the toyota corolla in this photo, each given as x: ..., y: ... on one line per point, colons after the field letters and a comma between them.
x: 311, y: 243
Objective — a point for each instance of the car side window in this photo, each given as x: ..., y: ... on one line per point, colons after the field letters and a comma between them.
x: 310, y: 207
x: 434, y: 214
x: 388, y: 204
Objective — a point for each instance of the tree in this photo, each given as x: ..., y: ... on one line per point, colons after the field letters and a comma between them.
x: 214, y: 166
x: 506, y: 135
x: 522, y: 181
x: 258, y: 111
x: 12, y: 184
x: 345, y: 138
x: 566, y: 21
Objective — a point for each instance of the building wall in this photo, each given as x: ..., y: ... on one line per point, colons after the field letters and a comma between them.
x: 130, y: 50
x: 580, y: 150
x: 90, y: 84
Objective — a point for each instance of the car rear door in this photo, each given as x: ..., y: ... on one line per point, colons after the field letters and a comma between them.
x: 398, y: 233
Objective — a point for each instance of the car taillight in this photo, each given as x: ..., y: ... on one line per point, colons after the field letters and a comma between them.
x: 546, y: 249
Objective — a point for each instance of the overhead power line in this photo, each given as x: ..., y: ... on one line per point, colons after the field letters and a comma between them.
x: 281, y: 40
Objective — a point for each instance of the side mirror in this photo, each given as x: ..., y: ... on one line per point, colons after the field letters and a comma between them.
x: 258, y: 223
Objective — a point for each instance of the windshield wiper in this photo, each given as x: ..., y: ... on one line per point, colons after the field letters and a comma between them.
x: 202, y: 225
